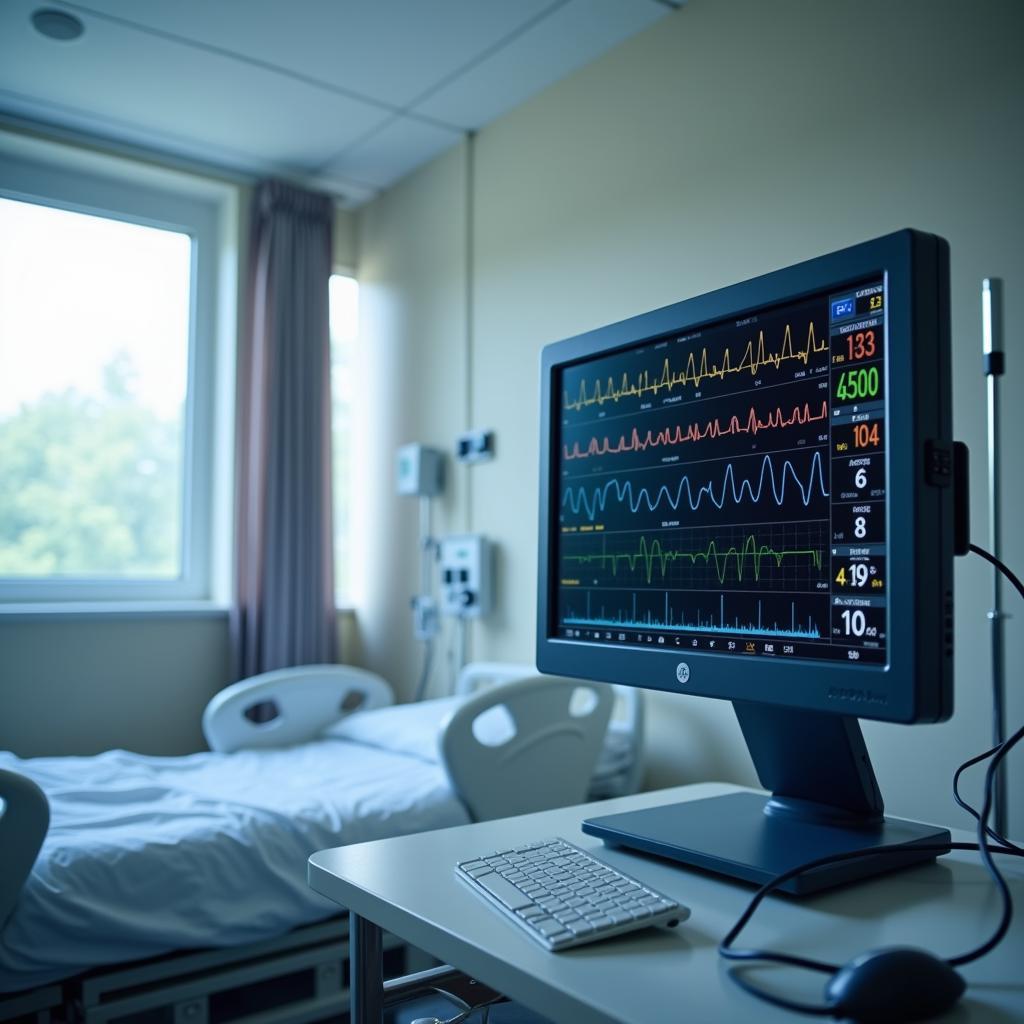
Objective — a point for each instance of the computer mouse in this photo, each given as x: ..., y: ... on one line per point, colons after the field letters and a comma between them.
x: 895, y: 984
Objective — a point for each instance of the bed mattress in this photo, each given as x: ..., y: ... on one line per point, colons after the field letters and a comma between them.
x: 146, y: 854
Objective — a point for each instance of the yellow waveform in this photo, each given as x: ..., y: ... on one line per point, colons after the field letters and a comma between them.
x: 696, y: 371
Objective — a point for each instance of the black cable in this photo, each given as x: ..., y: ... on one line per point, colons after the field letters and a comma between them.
x: 992, y: 833
x: 1001, y: 566
x: 725, y: 946
x: 814, y: 1009
x: 986, y: 856
x: 994, y: 756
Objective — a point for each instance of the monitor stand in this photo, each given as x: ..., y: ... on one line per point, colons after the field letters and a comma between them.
x: 825, y: 800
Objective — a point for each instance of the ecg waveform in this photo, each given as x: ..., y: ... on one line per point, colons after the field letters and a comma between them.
x: 593, y: 501
x: 745, y: 559
x: 696, y: 370
x: 752, y: 423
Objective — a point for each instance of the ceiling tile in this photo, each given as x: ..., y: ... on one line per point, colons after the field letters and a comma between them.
x: 312, y: 90
x: 391, y: 153
x: 570, y: 37
x: 389, y: 50
x: 146, y: 90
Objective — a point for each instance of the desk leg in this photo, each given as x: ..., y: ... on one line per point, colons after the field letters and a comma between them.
x: 366, y: 971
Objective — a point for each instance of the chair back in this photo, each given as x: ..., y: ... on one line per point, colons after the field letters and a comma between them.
x: 621, y: 767
x: 24, y: 819
x: 526, y: 746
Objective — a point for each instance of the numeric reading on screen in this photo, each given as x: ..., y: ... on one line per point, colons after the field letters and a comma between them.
x: 724, y: 489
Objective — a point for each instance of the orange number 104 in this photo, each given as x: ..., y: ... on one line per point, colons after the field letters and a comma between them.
x: 865, y: 435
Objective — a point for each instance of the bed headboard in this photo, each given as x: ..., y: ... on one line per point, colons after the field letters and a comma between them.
x: 288, y: 706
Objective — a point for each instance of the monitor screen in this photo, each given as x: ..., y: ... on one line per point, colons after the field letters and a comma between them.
x: 723, y: 487
x: 747, y: 494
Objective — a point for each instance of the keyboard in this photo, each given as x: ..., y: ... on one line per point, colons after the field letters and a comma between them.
x: 562, y: 897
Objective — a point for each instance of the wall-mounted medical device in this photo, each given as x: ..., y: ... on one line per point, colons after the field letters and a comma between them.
x: 420, y: 470
x: 420, y: 474
x: 466, y: 575
x: 461, y: 563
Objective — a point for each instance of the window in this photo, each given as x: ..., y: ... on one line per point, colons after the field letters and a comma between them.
x: 107, y: 379
x: 344, y: 307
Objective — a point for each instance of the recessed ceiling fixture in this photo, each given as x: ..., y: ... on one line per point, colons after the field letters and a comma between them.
x: 57, y: 24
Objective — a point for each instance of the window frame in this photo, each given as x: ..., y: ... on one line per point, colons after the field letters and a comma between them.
x: 344, y: 598
x: 141, y: 196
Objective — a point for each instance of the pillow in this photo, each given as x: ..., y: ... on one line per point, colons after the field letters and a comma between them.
x: 411, y: 729
x: 415, y: 730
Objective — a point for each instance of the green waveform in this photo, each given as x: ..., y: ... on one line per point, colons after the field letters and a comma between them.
x: 748, y: 557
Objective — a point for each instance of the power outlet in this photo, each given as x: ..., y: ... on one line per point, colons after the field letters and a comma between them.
x: 466, y: 575
x: 475, y: 446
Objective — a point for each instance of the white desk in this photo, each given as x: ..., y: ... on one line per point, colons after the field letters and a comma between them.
x: 406, y: 885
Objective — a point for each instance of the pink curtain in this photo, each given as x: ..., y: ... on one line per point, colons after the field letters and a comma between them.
x: 284, y: 611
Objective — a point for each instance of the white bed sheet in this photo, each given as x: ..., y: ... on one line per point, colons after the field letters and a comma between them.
x: 145, y: 854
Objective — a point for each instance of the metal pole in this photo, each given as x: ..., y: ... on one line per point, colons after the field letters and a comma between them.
x: 426, y: 545
x: 992, y: 348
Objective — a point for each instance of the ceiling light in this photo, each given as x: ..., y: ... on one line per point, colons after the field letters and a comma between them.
x: 57, y: 24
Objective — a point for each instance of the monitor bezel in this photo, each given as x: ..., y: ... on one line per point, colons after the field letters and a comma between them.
x: 916, y: 683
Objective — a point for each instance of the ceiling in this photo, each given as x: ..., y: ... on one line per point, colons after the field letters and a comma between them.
x: 344, y: 95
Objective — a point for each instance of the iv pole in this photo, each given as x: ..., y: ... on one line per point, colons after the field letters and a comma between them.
x: 994, y: 367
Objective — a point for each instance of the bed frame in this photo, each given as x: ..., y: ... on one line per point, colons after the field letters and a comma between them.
x: 301, y: 976
x: 298, y: 977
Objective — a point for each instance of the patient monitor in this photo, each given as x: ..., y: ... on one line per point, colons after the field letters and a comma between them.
x: 748, y: 495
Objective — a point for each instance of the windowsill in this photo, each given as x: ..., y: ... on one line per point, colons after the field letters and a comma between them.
x: 13, y: 611
x: 112, y: 609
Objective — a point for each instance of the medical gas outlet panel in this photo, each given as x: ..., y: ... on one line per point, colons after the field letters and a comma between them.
x: 466, y: 575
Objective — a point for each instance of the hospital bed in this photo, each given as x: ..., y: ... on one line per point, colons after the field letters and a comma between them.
x: 146, y: 857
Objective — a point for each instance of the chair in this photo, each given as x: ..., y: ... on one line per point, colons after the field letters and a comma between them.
x: 288, y: 706
x: 24, y: 819
x: 620, y: 768
x: 539, y: 754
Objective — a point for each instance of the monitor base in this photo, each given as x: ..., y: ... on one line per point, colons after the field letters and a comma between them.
x: 732, y: 835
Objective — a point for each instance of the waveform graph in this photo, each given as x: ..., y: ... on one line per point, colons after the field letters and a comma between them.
x: 754, y: 488
x: 781, y: 556
x: 718, y: 359
x: 739, y: 615
x: 724, y: 427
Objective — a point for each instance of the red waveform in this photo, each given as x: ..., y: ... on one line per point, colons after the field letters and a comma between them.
x: 775, y: 420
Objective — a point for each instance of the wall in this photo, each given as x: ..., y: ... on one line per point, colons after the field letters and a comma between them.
x: 79, y: 685
x: 414, y: 382
x: 732, y: 138
x: 344, y: 242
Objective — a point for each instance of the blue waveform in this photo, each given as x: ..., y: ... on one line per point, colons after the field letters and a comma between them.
x: 699, y: 624
x: 808, y: 632
x: 594, y: 501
